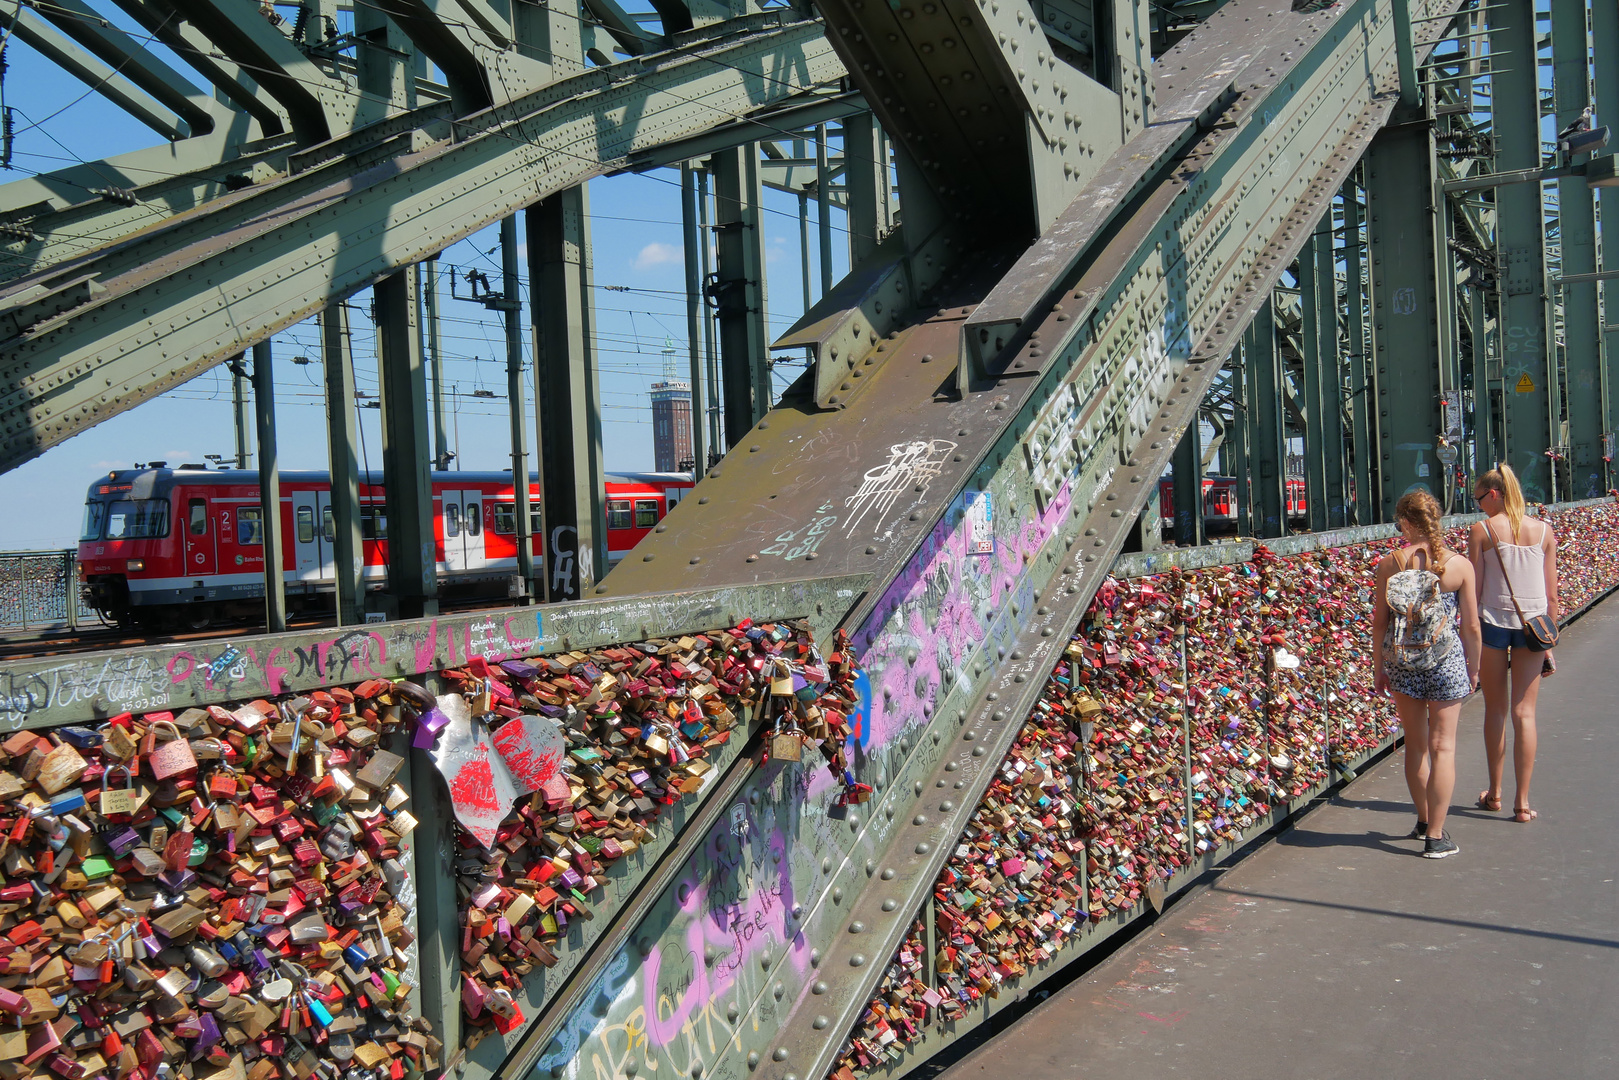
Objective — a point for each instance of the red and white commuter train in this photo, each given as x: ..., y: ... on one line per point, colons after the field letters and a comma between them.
x: 1220, y: 502
x: 185, y: 546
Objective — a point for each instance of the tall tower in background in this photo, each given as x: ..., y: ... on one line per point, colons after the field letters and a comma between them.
x: 671, y: 418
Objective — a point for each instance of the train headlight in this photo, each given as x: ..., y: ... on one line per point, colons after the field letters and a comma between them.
x: 135, y: 566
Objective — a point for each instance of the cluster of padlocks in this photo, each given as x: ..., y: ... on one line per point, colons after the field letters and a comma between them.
x: 224, y: 893
x: 1258, y: 675
x: 596, y: 745
x: 215, y: 893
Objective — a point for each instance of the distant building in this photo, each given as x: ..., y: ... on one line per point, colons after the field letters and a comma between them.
x: 671, y: 426
x: 671, y: 418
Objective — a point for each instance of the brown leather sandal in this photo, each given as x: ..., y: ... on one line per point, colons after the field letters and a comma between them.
x: 1488, y: 802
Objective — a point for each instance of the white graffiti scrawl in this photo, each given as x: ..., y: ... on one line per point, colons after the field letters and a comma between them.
x: 910, y: 467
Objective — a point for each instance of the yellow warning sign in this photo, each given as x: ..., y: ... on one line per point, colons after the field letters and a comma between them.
x: 1526, y: 385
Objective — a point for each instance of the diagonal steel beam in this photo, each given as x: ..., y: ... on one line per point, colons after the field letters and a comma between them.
x: 106, y: 80
x: 79, y: 21
x: 176, y: 299
x: 189, y: 44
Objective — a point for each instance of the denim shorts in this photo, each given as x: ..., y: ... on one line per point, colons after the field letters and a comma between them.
x: 1502, y: 637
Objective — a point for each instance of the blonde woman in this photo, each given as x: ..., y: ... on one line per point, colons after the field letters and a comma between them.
x: 1433, y: 666
x: 1512, y: 556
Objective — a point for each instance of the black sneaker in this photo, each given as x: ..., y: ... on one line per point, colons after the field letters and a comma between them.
x: 1418, y: 833
x: 1439, y: 847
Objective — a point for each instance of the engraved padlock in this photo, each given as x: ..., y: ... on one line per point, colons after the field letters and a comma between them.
x: 173, y: 757
x: 125, y: 800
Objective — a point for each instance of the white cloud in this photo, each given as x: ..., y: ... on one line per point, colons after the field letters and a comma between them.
x: 656, y: 254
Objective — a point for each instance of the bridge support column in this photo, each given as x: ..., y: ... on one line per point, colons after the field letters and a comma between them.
x: 343, y: 447
x: 275, y: 585
x: 435, y: 363
x: 1528, y: 426
x: 1577, y: 221
x: 1605, y: 38
x: 406, y: 451
x: 738, y: 290
x: 693, y: 239
x: 1188, y: 496
x: 567, y: 394
x: 1409, y: 346
x: 865, y: 177
x: 1360, y: 396
x: 1266, y: 446
x: 1486, y: 443
x: 512, y: 310
x: 239, y: 380
x: 1236, y: 442
x: 1318, y: 344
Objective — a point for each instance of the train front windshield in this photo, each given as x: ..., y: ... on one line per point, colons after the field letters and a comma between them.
x: 125, y: 519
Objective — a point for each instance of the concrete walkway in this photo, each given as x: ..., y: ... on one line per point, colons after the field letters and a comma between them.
x: 1336, y: 951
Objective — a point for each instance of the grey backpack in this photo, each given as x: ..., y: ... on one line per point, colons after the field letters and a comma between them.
x: 1416, y: 638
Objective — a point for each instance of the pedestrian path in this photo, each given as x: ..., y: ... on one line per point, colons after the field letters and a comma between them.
x: 1336, y: 951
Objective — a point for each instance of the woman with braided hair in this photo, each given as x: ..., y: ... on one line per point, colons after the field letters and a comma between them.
x: 1420, y: 655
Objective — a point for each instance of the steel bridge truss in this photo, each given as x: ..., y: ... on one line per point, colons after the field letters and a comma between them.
x: 1319, y: 231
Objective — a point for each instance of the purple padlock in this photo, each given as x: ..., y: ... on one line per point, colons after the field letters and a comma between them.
x: 122, y: 840
x: 519, y: 669
x: 207, y: 1035
x: 428, y: 725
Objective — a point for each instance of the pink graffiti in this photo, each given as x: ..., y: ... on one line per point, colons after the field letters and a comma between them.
x: 939, y: 625
x: 734, y: 922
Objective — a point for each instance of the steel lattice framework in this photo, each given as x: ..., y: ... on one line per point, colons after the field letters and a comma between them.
x: 1318, y: 231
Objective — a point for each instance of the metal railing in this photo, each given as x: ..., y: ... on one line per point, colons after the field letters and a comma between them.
x: 39, y: 590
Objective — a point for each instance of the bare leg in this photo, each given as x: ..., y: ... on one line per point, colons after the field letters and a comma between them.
x: 1525, y: 739
x: 1413, y: 714
x: 1493, y: 681
x: 1442, y: 719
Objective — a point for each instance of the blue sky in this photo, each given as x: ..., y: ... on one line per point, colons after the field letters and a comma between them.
x: 639, y: 277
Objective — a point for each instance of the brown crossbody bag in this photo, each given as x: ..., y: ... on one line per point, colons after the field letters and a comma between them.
x: 1540, y: 632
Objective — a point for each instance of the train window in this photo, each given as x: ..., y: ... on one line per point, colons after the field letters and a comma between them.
x: 474, y: 519
x: 198, y: 511
x: 618, y: 513
x: 646, y: 513
x: 250, y: 526
x: 373, y: 523
x: 328, y: 528
x: 305, y: 524
x: 505, y: 518
x: 452, y: 520
x: 137, y: 519
x: 95, y: 515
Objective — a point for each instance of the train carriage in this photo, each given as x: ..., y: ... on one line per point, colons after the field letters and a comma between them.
x: 185, y: 546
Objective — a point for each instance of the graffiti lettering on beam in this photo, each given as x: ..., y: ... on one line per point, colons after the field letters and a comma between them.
x: 102, y: 686
x: 36, y: 693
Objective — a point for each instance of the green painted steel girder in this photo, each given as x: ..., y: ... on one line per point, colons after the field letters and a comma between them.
x: 1406, y: 341
x: 1605, y: 80
x: 97, y: 336
x: 1266, y: 449
x: 567, y: 400
x: 1315, y: 313
x: 1526, y: 382
x: 1576, y: 226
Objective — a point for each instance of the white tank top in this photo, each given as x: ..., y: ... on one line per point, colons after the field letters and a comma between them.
x: 1526, y: 564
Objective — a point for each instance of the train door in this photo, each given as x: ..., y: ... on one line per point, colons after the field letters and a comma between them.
x: 200, y: 537
x: 313, y: 535
x: 463, y: 530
